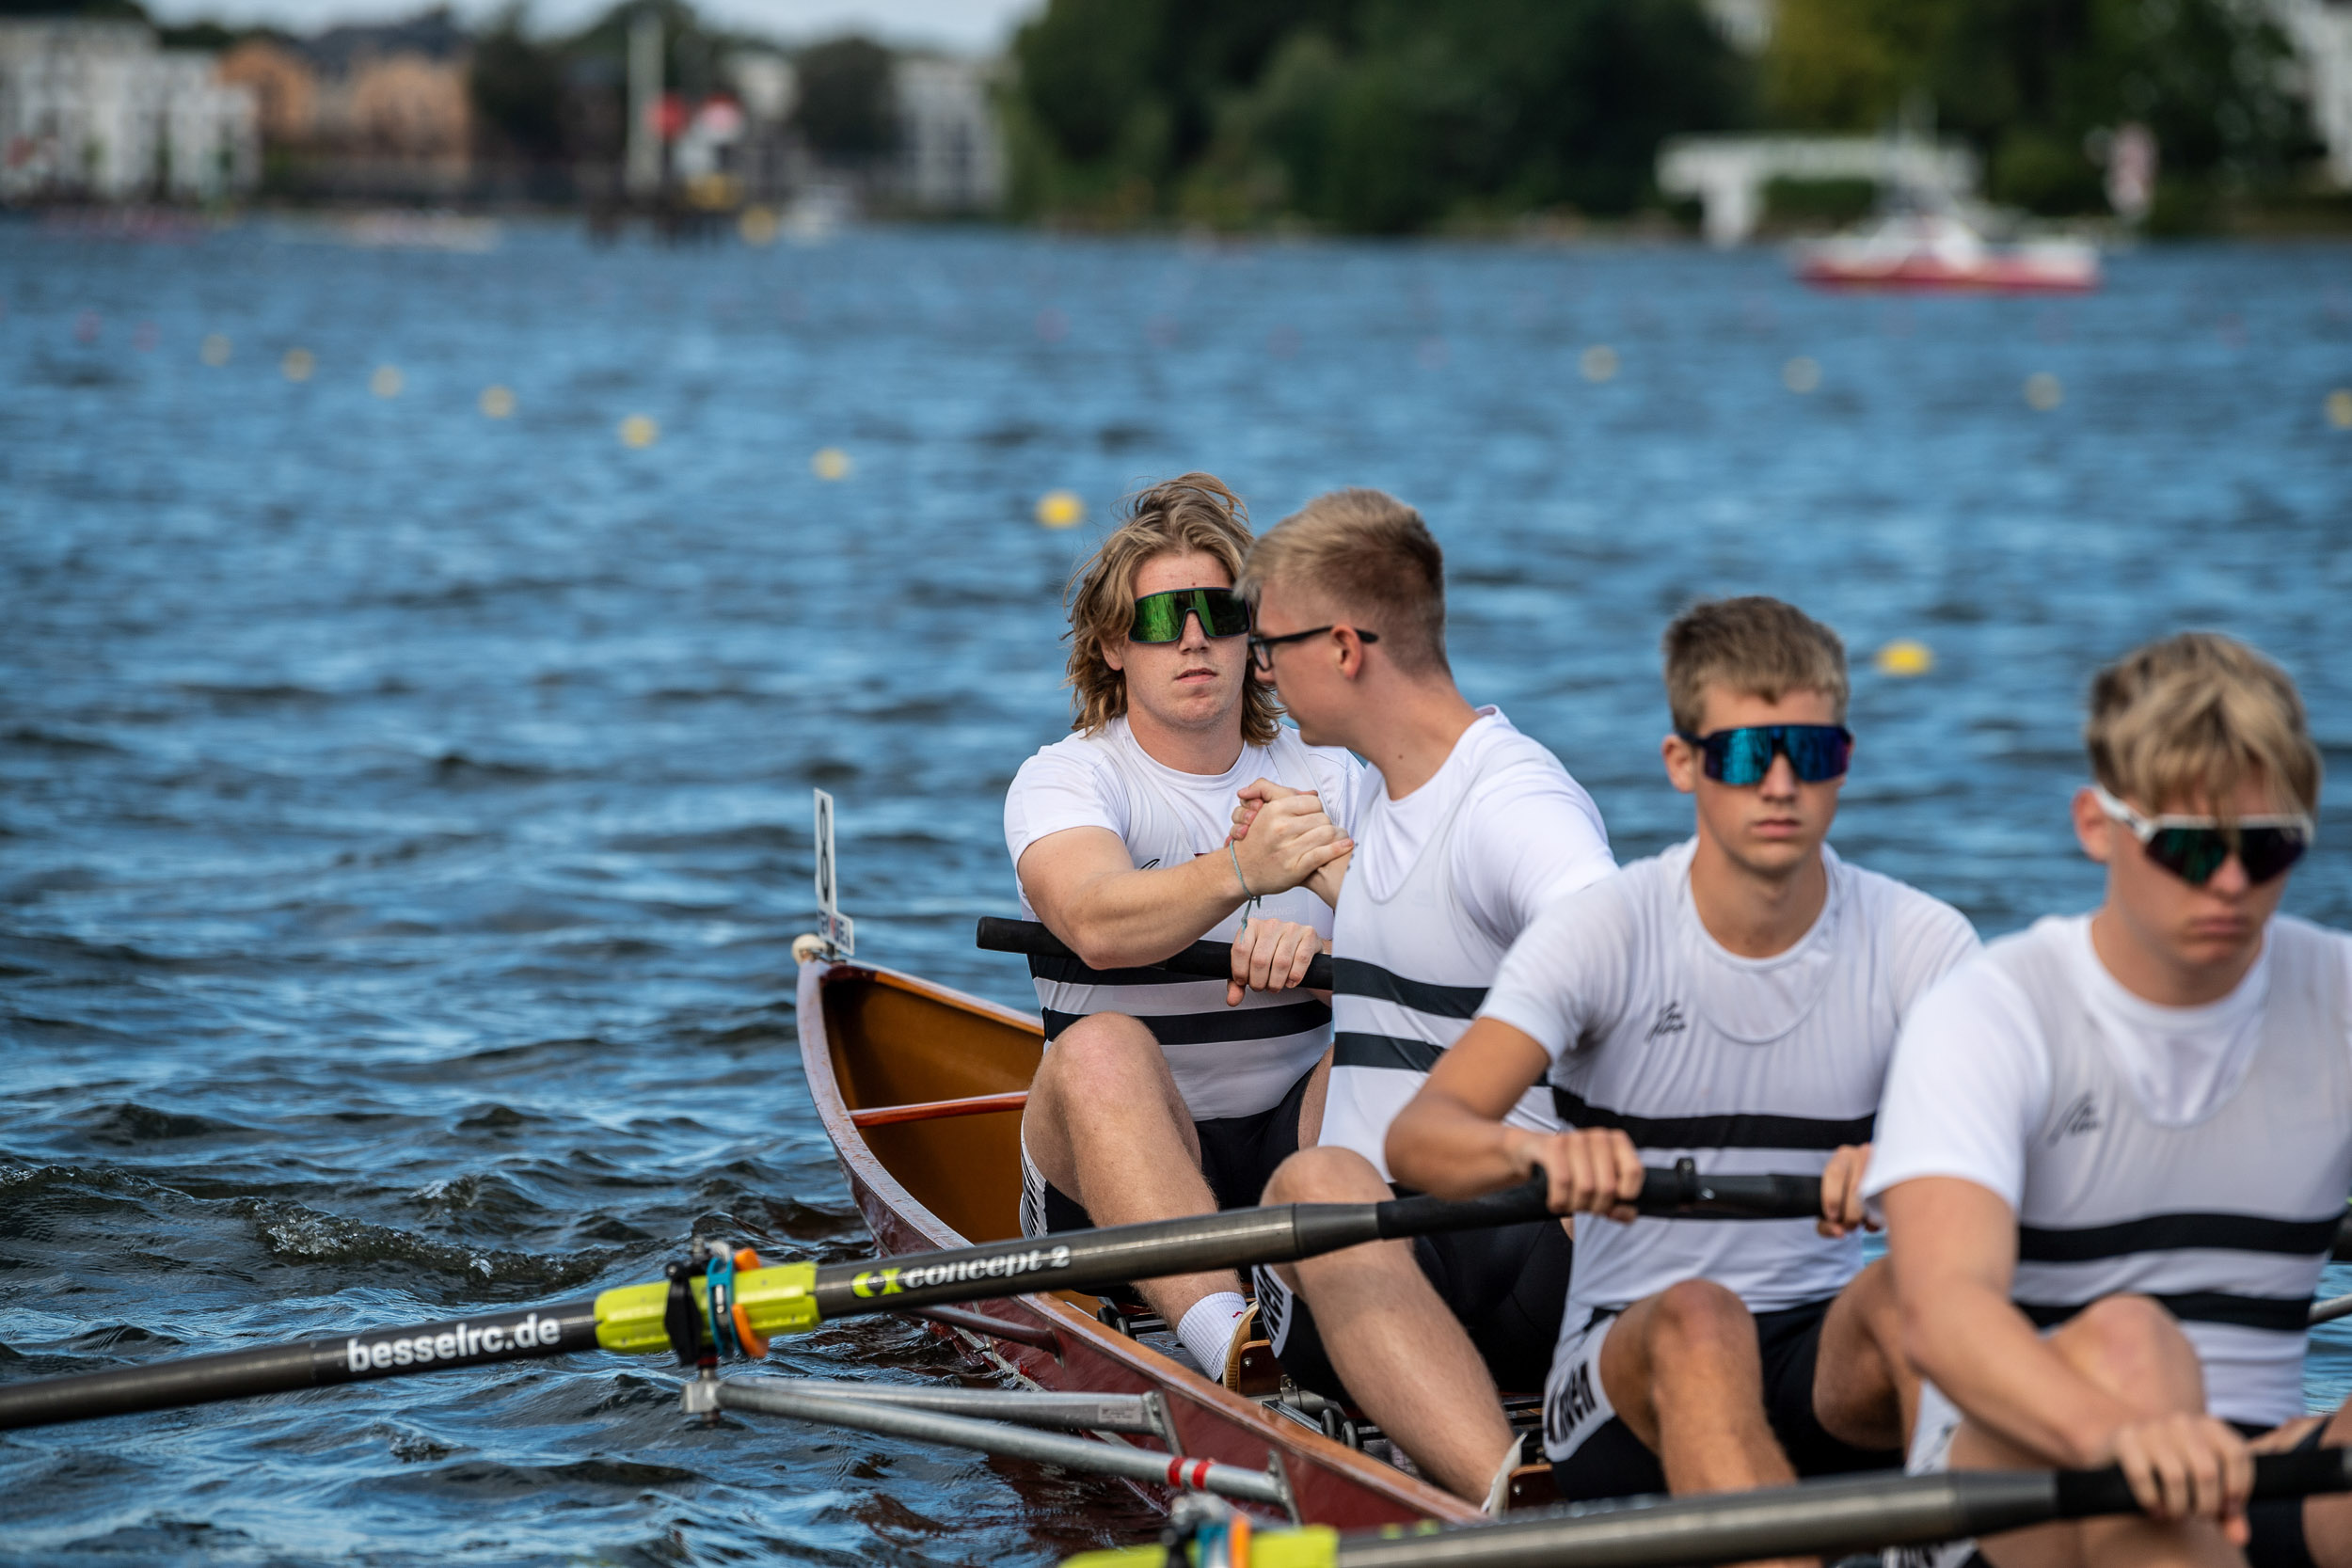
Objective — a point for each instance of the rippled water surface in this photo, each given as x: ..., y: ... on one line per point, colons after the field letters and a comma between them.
x: 403, y: 814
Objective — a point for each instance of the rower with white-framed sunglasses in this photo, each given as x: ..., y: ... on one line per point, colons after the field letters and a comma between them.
x: 2114, y: 1150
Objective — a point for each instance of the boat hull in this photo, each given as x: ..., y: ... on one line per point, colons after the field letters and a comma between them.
x: 872, y: 1038
x: 2065, y: 270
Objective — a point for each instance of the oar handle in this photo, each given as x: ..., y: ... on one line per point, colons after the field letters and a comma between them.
x: 2088, y: 1494
x: 1677, y: 1192
x: 1209, y: 961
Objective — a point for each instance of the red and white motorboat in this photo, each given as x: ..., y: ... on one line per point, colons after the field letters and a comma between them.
x: 1940, y: 250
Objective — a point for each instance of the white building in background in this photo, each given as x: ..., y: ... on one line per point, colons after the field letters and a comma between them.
x: 95, y: 110
x: 950, y: 158
x: 2322, y: 31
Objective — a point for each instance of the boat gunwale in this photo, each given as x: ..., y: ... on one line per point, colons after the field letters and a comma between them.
x: 1399, y: 1497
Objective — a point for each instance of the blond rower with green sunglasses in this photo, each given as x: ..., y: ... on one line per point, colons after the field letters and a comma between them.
x: 1159, y: 1095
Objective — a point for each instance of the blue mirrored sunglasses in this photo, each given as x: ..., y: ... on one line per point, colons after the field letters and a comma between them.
x: 1744, y: 756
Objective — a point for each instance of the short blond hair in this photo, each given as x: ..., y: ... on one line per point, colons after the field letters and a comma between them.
x: 1192, y: 514
x: 1364, y: 555
x: 2184, y: 721
x: 1754, y: 646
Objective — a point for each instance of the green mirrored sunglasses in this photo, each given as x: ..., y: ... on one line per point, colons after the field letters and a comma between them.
x: 1160, y: 617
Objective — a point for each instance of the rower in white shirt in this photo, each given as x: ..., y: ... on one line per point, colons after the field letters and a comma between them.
x: 1466, y: 831
x: 1732, y: 1000
x: 1162, y: 1095
x: 2114, y: 1148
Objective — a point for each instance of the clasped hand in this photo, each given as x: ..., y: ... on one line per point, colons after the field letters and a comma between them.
x: 1282, y: 837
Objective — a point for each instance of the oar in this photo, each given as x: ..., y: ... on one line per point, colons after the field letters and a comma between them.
x: 1211, y: 961
x: 1824, y: 1519
x: 792, y: 1298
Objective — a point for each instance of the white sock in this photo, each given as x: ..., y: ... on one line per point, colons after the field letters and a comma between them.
x: 1499, y: 1489
x: 1207, y: 1331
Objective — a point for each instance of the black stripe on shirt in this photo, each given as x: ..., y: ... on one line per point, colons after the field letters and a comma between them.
x: 1740, y: 1130
x: 1070, y: 971
x: 2277, y: 1314
x: 1222, y: 1027
x: 1355, y: 977
x: 1349, y: 1049
x: 2172, y: 1232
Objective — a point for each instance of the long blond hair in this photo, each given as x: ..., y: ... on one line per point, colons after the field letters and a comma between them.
x: 1191, y: 515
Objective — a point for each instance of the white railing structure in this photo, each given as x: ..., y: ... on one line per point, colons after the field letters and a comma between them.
x: 1728, y: 173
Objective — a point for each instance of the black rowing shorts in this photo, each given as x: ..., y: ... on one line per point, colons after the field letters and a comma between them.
x: 1237, y: 1158
x: 1595, y: 1454
x: 1507, y: 1286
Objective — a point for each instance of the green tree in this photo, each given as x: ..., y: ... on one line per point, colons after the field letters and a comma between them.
x: 847, y: 110
x: 517, y: 86
x: 2030, y: 82
x: 1382, y: 115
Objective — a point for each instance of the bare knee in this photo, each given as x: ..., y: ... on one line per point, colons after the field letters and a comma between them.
x: 1698, y: 1321
x: 1102, y: 1054
x: 1327, y: 1175
x: 2130, y: 1346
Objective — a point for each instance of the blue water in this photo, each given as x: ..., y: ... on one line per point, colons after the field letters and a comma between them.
x: 403, y: 812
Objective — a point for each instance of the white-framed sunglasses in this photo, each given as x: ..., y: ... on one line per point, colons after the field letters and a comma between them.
x: 2193, y: 848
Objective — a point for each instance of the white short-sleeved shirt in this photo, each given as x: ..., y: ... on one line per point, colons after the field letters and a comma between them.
x: 1226, y: 1061
x: 1743, y: 1065
x: 2197, y: 1155
x: 1441, y: 883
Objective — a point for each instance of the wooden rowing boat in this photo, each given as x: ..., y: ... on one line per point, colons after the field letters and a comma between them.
x: 920, y: 1088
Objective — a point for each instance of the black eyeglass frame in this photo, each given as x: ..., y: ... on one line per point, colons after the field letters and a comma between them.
x: 1261, y: 648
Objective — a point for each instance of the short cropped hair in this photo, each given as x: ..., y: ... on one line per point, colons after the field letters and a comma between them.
x: 1192, y: 514
x: 2180, y: 723
x: 1368, y: 558
x: 1754, y: 647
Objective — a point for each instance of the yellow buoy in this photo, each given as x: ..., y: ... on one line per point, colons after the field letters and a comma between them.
x: 639, y: 430
x: 1598, y: 363
x: 215, y: 350
x: 1060, y: 508
x: 496, y: 403
x: 1802, y: 374
x: 386, y: 382
x: 758, y: 226
x: 2043, y: 392
x: 831, y: 462
x: 1904, y: 658
x: 298, y: 364
x: 2340, y: 408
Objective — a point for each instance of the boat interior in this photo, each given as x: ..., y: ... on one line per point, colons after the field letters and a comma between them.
x: 934, y: 1081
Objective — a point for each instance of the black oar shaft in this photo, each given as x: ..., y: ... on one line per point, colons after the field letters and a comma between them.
x: 1241, y: 1238
x: 1825, y: 1519
x: 1209, y: 961
x: 800, y: 1296
x: 469, y: 1341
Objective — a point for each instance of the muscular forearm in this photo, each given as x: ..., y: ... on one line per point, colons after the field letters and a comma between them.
x: 1126, y: 919
x: 1969, y: 1340
x: 1440, y: 1145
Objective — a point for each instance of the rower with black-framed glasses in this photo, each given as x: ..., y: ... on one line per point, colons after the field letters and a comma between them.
x: 1262, y: 647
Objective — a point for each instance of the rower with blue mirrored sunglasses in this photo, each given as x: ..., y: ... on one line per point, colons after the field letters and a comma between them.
x: 2194, y: 847
x: 1160, y: 617
x: 1817, y: 753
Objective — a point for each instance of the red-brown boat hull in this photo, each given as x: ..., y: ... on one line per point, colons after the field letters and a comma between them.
x: 872, y: 1037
